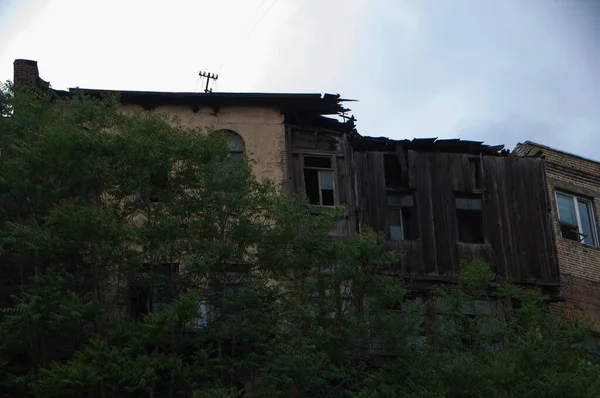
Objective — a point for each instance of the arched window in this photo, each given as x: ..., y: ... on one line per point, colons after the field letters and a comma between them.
x: 235, y: 144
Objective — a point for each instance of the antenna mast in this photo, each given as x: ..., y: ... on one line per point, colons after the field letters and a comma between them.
x: 208, y: 77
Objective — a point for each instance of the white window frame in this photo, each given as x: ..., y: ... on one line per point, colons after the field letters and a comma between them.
x: 590, y: 205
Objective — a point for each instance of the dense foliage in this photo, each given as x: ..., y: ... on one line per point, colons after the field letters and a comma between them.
x: 139, y: 259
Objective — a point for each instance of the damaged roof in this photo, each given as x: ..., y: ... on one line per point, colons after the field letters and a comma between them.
x: 427, y: 145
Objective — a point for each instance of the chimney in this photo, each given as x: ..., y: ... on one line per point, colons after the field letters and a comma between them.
x: 26, y: 75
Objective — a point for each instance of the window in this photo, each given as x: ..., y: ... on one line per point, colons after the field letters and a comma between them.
x: 318, y: 180
x: 201, y: 322
x: 392, y: 171
x: 403, y: 218
x: 576, y: 219
x: 235, y: 143
x: 159, y: 181
x: 469, y: 219
x: 157, y: 186
x: 151, y: 288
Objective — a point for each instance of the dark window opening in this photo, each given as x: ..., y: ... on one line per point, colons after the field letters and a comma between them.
x: 475, y: 166
x: 151, y: 288
x: 469, y: 220
x: 317, y: 162
x: 403, y: 217
x: 392, y: 171
x: 318, y: 180
x: 159, y: 181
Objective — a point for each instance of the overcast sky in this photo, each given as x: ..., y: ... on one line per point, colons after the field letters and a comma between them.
x: 498, y: 71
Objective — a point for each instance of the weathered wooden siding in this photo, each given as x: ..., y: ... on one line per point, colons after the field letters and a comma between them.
x: 372, y: 197
x: 518, y: 238
x: 517, y: 219
x: 517, y: 229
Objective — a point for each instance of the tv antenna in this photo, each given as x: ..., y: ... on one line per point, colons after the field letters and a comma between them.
x: 208, y: 77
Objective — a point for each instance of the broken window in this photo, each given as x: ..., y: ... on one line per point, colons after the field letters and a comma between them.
x: 392, y: 171
x: 319, y: 180
x: 403, y: 218
x: 469, y: 219
x: 576, y: 218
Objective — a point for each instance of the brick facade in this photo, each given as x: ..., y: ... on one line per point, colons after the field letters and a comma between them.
x: 26, y: 75
x: 579, y: 263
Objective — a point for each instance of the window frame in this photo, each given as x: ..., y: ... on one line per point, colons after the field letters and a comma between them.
x: 470, y: 196
x: 333, y: 169
x: 232, y: 135
x: 590, y: 204
x: 399, y: 209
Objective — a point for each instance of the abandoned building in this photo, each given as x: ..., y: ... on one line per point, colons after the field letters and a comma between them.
x: 438, y: 202
x: 574, y: 188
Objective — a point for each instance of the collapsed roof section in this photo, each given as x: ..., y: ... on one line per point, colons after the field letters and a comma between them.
x: 360, y: 142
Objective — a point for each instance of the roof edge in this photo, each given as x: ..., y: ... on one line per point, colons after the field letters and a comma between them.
x: 542, y: 146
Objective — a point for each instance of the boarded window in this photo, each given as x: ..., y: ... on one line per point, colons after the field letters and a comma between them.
x: 576, y: 219
x: 403, y: 219
x: 469, y: 220
x: 319, y: 180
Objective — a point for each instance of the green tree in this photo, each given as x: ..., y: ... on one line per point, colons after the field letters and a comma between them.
x: 139, y: 259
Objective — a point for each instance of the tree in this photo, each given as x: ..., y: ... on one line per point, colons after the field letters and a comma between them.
x: 139, y: 259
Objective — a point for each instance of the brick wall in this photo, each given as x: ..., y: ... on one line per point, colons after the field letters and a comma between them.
x: 579, y: 264
x: 26, y: 73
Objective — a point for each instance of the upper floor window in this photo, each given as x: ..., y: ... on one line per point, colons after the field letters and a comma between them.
x: 319, y: 180
x: 403, y: 219
x: 469, y: 219
x: 576, y: 219
x: 392, y: 171
x: 235, y: 143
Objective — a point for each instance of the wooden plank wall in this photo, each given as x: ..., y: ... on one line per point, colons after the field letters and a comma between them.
x: 517, y: 225
x: 517, y: 219
x: 519, y: 241
x: 372, y: 196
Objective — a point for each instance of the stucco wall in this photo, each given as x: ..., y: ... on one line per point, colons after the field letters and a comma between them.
x: 262, y: 130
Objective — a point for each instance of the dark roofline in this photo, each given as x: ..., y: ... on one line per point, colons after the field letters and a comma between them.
x: 324, y: 104
x: 549, y: 148
x: 427, y: 145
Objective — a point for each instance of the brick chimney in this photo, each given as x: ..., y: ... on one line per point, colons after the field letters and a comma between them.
x: 26, y: 75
